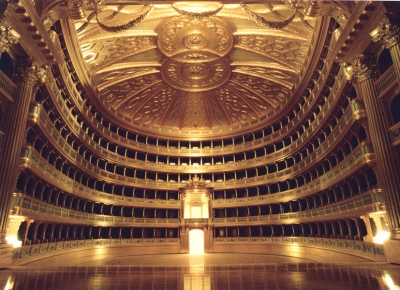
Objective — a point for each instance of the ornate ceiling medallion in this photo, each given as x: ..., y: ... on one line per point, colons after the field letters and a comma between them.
x: 196, y: 51
x: 195, y: 41
x: 181, y: 34
x: 196, y: 76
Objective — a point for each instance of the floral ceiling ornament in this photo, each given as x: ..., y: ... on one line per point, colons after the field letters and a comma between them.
x: 118, y: 28
x: 266, y: 23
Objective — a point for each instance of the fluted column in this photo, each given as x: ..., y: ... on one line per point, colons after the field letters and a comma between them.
x: 29, y: 75
x: 388, y: 34
x: 388, y: 168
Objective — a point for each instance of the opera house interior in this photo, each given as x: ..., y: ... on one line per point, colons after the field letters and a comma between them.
x: 199, y: 145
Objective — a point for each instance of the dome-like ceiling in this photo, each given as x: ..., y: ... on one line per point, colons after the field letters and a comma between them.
x: 194, y: 66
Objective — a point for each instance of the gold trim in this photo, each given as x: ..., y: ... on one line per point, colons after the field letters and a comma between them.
x: 128, y: 25
x: 263, y: 22
x: 197, y: 15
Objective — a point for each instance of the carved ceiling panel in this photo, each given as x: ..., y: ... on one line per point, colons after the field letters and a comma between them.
x: 197, y: 66
x: 288, y: 52
x: 107, y: 52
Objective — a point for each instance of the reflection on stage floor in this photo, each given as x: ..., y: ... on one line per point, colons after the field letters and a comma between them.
x: 203, y: 272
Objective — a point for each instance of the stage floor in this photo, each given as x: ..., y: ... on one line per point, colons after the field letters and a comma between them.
x: 199, y: 272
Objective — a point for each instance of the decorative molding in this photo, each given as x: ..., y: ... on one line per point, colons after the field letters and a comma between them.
x: 264, y: 22
x: 185, y: 11
x: 128, y: 25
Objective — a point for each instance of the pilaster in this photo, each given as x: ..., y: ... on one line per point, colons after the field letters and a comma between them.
x: 364, y: 69
x: 29, y: 75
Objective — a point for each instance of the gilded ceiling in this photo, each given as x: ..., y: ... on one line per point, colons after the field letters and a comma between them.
x: 195, y: 65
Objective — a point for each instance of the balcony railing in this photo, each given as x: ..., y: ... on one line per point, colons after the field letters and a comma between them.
x: 7, y: 86
x: 27, y: 253
x: 28, y: 206
x: 358, y: 248
x: 386, y: 80
x: 366, y: 202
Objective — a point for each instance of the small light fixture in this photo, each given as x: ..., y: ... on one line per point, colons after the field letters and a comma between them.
x: 381, y: 237
x: 11, y: 240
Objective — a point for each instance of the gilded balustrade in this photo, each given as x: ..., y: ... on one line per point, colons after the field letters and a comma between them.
x: 40, y: 210
x: 362, y: 155
x: 387, y: 80
x: 7, y: 87
x: 357, y: 248
x: 356, y: 206
x: 25, y: 253
x: 51, y: 132
x: 394, y: 134
x: 184, y: 168
x: 359, y: 205
x: 37, y: 164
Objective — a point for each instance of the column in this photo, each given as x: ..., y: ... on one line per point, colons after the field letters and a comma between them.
x: 302, y: 230
x: 23, y: 231
x: 334, y: 234
x: 342, y: 234
x: 42, y: 234
x: 28, y: 76
x: 388, y: 168
x: 50, y: 233
x: 388, y: 34
x: 57, y: 233
x: 352, y: 234
x: 32, y: 233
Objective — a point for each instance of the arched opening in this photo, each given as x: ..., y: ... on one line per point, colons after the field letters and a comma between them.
x: 395, y: 109
x: 1, y: 114
x: 384, y: 61
x: 196, y: 241
x: 6, y: 64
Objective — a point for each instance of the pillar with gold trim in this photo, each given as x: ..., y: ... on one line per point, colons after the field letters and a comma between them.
x: 388, y: 34
x: 364, y: 69
x: 27, y: 78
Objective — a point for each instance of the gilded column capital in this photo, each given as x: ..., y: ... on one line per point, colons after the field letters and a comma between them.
x: 31, y: 73
x: 8, y: 36
x: 364, y: 67
x: 323, y: 8
x: 76, y: 8
x: 386, y: 33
